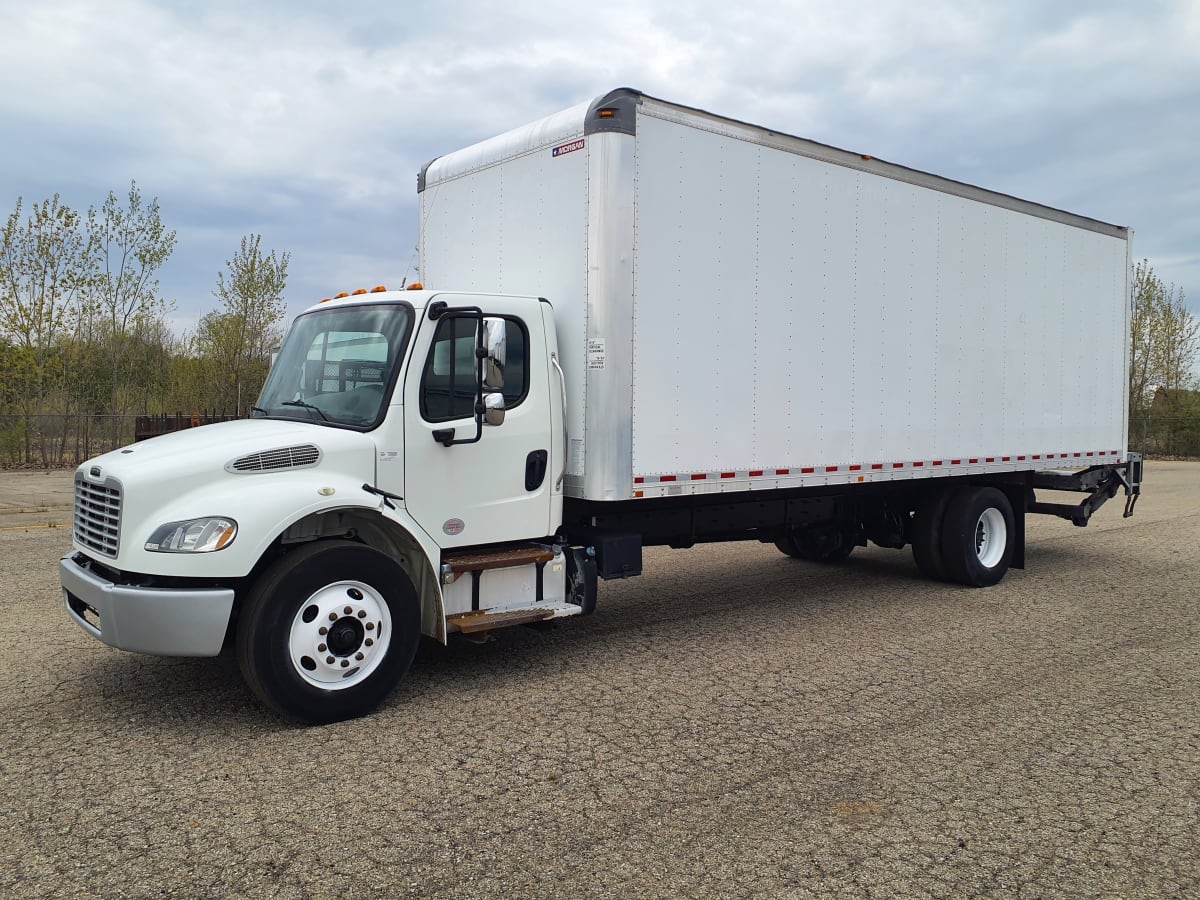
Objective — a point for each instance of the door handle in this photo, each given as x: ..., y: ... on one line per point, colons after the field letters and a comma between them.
x: 535, y: 469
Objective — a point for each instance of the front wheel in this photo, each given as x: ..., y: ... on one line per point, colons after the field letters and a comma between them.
x: 328, y: 631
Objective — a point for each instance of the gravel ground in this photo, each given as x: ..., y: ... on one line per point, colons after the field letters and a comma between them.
x: 733, y: 723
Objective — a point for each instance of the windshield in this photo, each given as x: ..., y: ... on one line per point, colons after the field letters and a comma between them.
x: 337, y: 366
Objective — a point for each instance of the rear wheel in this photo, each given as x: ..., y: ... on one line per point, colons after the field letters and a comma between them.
x: 977, y: 536
x: 927, y: 534
x: 823, y: 545
x: 328, y: 631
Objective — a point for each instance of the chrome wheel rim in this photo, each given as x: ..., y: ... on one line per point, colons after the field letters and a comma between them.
x: 340, y: 635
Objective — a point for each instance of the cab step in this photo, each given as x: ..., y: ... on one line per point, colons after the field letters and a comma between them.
x: 485, y: 620
x: 461, y: 562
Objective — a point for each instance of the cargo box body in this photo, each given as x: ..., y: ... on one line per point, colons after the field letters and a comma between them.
x: 739, y: 309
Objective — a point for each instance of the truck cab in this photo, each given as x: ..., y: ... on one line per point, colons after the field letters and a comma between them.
x: 405, y: 443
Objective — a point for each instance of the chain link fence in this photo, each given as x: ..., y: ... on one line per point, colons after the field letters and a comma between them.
x: 56, y: 441
x: 1165, y: 436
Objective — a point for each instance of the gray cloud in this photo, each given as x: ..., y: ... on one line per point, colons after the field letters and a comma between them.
x: 308, y: 123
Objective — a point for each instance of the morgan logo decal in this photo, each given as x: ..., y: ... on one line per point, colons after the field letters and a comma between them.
x: 563, y: 149
x: 453, y: 526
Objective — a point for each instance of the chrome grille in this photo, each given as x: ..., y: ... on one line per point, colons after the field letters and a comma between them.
x: 283, y: 458
x: 98, y: 515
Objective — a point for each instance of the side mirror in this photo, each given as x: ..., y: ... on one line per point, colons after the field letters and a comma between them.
x: 495, y: 345
x: 493, y: 409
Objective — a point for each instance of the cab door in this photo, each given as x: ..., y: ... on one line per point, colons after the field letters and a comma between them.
x: 500, y: 487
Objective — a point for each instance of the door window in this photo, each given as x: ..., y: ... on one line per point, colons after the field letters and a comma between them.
x: 448, y: 382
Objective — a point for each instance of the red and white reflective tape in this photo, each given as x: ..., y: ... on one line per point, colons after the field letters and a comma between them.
x: 863, y: 469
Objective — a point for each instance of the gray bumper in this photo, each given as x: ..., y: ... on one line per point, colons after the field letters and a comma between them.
x: 161, y: 621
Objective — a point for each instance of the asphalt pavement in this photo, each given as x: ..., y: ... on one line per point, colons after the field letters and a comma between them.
x: 733, y: 723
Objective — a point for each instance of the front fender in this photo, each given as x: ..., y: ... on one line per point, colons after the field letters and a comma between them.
x: 263, y: 506
x: 287, y: 507
x: 392, y: 531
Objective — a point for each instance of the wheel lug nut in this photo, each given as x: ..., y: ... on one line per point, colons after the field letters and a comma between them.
x: 333, y: 617
x: 362, y: 613
x: 329, y: 659
x: 322, y: 630
x: 345, y: 663
x: 358, y: 655
x: 369, y: 642
x: 321, y: 648
x: 370, y: 626
x: 349, y: 609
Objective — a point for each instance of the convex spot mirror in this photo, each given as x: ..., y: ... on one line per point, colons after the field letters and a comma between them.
x: 493, y: 409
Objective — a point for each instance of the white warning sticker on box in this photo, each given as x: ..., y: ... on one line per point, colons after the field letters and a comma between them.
x: 595, y: 353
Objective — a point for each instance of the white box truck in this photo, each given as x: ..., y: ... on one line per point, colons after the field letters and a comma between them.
x: 642, y: 324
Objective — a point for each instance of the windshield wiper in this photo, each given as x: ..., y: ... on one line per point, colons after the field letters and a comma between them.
x: 259, y: 409
x: 306, y: 405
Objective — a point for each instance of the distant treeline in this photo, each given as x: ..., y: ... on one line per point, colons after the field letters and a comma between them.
x: 1164, y: 403
x: 84, y: 344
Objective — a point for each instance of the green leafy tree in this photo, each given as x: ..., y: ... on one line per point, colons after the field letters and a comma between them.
x: 236, y: 340
x: 46, y: 270
x: 131, y: 244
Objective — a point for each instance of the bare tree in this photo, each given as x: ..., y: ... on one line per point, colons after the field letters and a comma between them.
x: 1165, y: 339
x: 1164, y: 347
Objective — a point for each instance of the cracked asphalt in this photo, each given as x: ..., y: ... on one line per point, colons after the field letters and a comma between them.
x: 733, y: 723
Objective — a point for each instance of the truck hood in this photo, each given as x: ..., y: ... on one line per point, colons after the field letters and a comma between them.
x: 263, y: 473
x: 225, y: 448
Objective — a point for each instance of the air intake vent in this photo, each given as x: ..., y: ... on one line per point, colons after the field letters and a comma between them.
x: 300, y: 457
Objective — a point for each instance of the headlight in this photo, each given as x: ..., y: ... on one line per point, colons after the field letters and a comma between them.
x: 193, y: 536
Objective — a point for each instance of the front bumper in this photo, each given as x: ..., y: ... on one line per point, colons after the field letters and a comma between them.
x: 160, y: 621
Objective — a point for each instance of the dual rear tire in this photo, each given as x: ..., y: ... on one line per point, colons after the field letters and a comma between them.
x: 965, y: 535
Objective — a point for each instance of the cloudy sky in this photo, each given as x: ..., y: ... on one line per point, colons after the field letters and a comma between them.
x: 308, y: 121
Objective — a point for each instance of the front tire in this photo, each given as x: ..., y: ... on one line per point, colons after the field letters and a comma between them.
x: 977, y: 536
x: 328, y: 631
